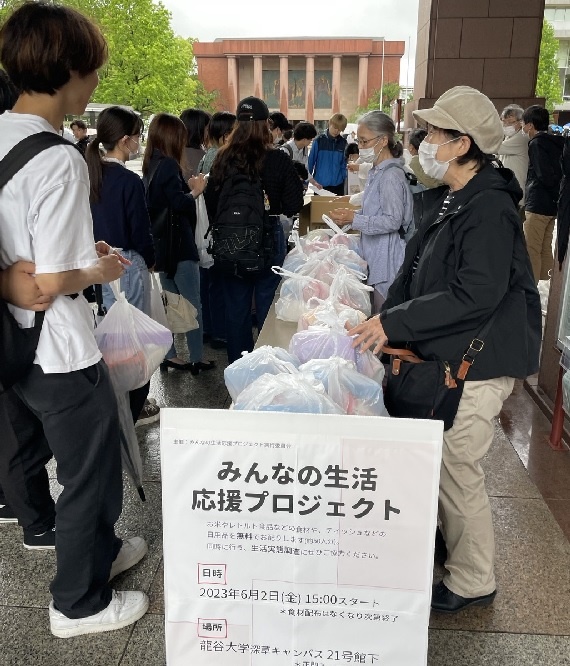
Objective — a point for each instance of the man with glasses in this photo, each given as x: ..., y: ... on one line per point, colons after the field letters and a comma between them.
x: 514, y: 149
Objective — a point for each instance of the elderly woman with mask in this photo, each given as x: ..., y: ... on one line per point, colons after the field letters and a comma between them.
x: 466, y: 269
x: 387, y: 206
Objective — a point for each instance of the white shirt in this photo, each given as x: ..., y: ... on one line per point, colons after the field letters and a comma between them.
x: 45, y: 218
x: 513, y: 153
x: 299, y: 154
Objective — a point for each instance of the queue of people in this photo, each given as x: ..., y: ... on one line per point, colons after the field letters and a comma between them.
x: 467, y: 264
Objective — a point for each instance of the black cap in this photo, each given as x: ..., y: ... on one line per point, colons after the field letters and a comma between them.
x: 252, y: 108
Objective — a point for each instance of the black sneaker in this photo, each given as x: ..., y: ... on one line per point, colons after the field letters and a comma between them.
x: 45, y: 541
x: 7, y: 515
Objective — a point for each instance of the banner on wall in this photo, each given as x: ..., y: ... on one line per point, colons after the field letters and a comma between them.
x: 297, y: 539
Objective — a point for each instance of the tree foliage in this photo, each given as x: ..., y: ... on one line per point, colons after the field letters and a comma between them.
x: 149, y: 67
x: 548, y: 79
x: 390, y: 93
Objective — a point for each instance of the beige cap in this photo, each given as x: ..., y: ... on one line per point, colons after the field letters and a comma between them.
x: 468, y: 111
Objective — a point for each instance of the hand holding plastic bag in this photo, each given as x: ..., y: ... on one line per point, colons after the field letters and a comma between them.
x: 133, y: 345
x: 201, y: 234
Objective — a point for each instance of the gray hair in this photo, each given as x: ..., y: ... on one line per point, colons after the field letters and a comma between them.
x: 381, y: 124
x: 512, y: 110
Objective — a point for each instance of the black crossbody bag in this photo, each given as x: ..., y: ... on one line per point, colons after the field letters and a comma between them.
x: 18, y: 345
x: 420, y: 389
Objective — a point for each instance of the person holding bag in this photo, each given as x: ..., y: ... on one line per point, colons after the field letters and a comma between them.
x: 120, y: 215
x: 465, y: 293
x: 172, y: 207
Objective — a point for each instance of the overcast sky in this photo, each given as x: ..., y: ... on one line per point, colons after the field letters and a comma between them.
x: 392, y: 19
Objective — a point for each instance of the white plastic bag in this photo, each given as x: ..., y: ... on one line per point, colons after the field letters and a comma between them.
x: 324, y: 312
x: 340, y: 237
x: 353, y: 392
x: 294, y: 294
x: 201, y: 235
x: 349, y: 290
x: 133, y: 345
x: 286, y: 393
x: 321, y: 342
x: 370, y: 365
x: 157, y: 309
x: 261, y: 361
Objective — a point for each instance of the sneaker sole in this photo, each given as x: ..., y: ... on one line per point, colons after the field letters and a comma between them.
x: 39, y: 547
x: 100, y: 628
x: 130, y: 563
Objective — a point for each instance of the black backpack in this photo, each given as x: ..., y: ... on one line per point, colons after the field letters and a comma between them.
x: 18, y: 345
x: 243, y: 232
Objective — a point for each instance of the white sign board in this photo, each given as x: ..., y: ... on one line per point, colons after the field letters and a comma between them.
x: 297, y: 539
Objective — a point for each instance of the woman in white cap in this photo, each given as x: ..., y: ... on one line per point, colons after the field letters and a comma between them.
x: 466, y: 267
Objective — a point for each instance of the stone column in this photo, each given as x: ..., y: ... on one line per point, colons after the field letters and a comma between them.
x: 257, y: 76
x: 336, y: 83
x: 310, y: 89
x: 233, y: 91
x: 284, y: 84
x: 362, y: 81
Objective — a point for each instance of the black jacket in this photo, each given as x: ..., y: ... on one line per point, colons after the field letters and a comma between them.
x: 544, y: 173
x: 168, y: 190
x: 467, y: 262
x: 280, y: 182
x: 563, y: 217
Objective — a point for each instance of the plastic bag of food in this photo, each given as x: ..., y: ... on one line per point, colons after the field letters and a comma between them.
x: 350, y: 390
x: 340, y: 237
x: 261, y: 361
x: 349, y: 290
x: 294, y: 293
x: 321, y: 342
x: 286, y: 393
x: 324, y: 312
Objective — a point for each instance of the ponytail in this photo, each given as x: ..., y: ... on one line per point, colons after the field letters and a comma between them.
x: 95, y: 168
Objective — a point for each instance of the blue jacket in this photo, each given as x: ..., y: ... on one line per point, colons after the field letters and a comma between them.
x: 327, y: 163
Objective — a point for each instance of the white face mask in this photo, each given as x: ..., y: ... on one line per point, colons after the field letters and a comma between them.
x: 433, y: 167
x: 368, y: 155
x: 134, y: 155
x: 509, y: 130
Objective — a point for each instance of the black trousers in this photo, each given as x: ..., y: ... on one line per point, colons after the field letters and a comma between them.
x: 24, y: 453
x: 78, y: 412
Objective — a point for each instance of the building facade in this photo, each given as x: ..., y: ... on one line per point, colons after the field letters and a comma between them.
x: 557, y: 13
x: 304, y: 78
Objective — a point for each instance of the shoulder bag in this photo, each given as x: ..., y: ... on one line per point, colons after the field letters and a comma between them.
x: 18, y: 345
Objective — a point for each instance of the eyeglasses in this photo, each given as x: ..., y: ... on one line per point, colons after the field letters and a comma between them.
x: 364, y: 142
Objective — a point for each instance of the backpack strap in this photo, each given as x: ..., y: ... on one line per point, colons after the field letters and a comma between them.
x: 25, y: 150
x: 288, y: 148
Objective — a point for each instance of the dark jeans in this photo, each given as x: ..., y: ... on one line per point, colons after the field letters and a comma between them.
x: 24, y: 453
x: 335, y: 189
x: 240, y: 294
x: 78, y: 412
x: 212, y: 297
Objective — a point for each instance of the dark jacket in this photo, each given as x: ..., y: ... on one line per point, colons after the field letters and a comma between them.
x: 280, y: 182
x: 544, y: 173
x: 467, y: 262
x: 120, y: 216
x: 327, y: 162
x: 82, y: 144
x: 563, y: 217
x: 168, y: 189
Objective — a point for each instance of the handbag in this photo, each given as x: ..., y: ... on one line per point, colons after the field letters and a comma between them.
x: 18, y: 349
x: 180, y: 313
x: 420, y: 389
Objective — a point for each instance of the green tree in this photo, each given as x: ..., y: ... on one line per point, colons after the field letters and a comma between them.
x: 548, y: 79
x: 149, y: 67
x: 390, y: 93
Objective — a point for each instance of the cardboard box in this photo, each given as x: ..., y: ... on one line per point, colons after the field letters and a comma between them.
x: 311, y: 216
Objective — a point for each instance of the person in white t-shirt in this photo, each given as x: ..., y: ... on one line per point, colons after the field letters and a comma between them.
x: 52, y: 54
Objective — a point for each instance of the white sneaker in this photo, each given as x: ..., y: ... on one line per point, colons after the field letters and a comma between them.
x: 132, y: 551
x: 124, y: 609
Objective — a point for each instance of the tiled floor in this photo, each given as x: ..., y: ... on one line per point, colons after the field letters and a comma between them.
x: 529, y: 624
